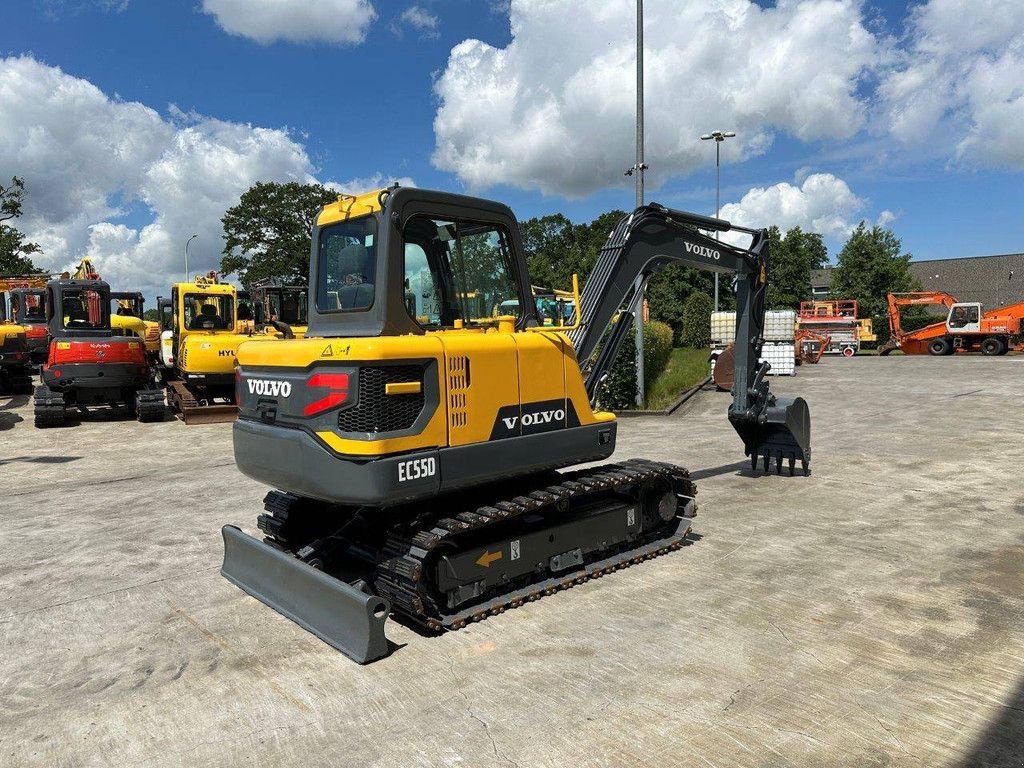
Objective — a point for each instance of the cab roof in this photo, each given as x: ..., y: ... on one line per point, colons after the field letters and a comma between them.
x: 352, y: 207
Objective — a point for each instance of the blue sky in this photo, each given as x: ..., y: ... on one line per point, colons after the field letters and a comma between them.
x: 882, y: 112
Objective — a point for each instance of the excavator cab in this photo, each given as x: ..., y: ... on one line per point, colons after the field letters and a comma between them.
x: 28, y: 307
x: 276, y: 304
x: 964, y: 317
x: 89, y: 362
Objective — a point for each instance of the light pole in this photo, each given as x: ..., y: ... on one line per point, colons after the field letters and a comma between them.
x: 637, y: 171
x: 719, y: 137
x: 186, y: 254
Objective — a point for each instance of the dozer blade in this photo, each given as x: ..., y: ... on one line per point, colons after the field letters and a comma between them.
x: 785, y: 433
x: 209, y: 414
x: 338, y: 613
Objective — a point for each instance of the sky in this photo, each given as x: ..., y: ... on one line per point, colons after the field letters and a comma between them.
x: 137, y: 123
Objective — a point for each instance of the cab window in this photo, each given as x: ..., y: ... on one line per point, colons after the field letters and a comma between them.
x: 458, y: 270
x: 347, y: 265
x: 209, y: 312
x: 34, y: 308
x: 84, y: 309
x: 125, y: 308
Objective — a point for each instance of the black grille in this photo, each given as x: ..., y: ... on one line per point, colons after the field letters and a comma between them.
x: 376, y: 411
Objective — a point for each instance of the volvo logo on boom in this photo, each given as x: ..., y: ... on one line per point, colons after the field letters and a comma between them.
x: 269, y: 387
x: 703, y: 250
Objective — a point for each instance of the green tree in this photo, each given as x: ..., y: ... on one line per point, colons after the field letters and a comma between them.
x: 697, y: 320
x: 669, y: 290
x: 790, y: 261
x: 268, y: 233
x: 15, y: 253
x: 869, y: 266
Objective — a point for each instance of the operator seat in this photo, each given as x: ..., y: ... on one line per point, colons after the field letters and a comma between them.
x: 355, y: 268
x: 207, y: 319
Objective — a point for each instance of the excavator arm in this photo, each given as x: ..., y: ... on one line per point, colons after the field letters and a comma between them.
x: 897, y: 301
x: 642, y: 244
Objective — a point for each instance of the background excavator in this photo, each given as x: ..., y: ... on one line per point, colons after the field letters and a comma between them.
x: 197, y: 349
x: 128, y: 310
x: 89, y: 362
x: 966, y: 328
x: 15, y: 366
x: 276, y: 302
x: 416, y: 448
x: 22, y: 302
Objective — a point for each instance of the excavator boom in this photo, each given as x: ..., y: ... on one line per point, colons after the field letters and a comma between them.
x: 643, y: 243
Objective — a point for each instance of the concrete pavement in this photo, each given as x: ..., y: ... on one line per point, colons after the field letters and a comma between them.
x: 871, y: 614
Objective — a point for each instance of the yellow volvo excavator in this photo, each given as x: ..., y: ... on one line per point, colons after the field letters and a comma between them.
x: 415, y: 438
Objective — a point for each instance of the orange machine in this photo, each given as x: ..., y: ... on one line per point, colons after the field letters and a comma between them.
x: 810, y: 346
x: 967, y: 327
x: 837, y: 319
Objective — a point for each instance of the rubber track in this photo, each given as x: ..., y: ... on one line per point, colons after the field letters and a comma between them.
x: 184, y: 403
x: 48, y: 408
x: 150, y: 406
x: 401, y: 578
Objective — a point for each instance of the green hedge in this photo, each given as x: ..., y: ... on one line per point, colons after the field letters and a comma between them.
x: 619, y: 390
x: 697, y: 320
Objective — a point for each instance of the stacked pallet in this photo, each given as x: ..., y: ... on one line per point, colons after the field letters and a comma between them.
x: 779, y: 333
x: 779, y: 342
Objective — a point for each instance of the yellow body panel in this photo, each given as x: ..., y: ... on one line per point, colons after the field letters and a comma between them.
x: 476, y: 378
x: 541, y: 366
x: 492, y: 359
x: 209, y: 353
x: 299, y: 353
x: 128, y: 325
x: 10, y: 330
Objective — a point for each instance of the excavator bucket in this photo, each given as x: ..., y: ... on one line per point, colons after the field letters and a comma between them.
x: 340, y: 614
x: 784, y: 432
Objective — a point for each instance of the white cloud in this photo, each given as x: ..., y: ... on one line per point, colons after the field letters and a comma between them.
x: 87, y: 159
x: 822, y: 203
x: 957, y: 87
x: 297, y: 21
x: 422, y: 20
x: 362, y: 184
x: 554, y: 110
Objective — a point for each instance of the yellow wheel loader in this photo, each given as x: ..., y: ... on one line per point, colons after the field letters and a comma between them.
x: 424, y: 450
x: 197, y: 350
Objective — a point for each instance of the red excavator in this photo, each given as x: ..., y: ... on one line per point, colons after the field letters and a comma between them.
x: 967, y: 327
x: 87, y: 363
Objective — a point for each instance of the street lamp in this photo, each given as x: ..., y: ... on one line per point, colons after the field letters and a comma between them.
x: 186, y: 254
x: 719, y: 137
x: 638, y: 171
